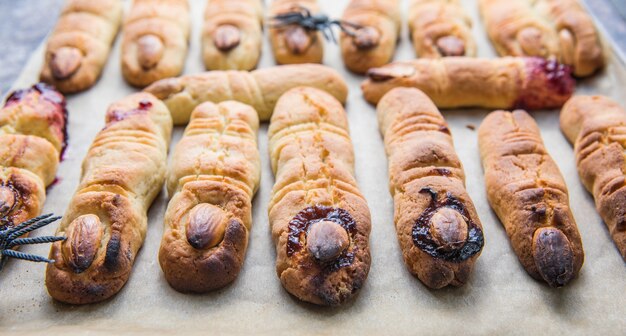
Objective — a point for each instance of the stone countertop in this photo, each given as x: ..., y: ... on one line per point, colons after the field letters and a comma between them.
x: 23, y: 25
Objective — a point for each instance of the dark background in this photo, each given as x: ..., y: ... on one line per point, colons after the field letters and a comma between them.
x: 25, y: 23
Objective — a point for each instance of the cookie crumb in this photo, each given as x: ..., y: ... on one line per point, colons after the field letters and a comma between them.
x: 471, y: 126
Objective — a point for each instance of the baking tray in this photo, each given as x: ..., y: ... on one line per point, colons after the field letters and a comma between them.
x: 500, y: 297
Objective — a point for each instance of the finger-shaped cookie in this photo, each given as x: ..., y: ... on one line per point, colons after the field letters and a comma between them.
x: 528, y: 193
x: 79, y: 45
x: 154, y: 45
x: 32, y: 140
x: 596, y: 125
x: 260, y: 88
x: 545, y: 28
x: 232, y: 35
x: 320, y: 221
x: 440, y: 28
x: 214, y: 174
x: 291, y: 42
x: 106, y: 220
x: 372, y: 42
x: 438, y: 228
x: 451, y: 82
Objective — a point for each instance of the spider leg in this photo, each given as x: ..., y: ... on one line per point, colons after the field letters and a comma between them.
x: 35, y: 240
x: 26, y: 223
x: 25, y: 256
x: 33, y: 227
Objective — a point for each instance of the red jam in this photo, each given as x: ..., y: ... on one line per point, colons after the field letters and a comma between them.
x: 54, y: 107
x: 119, y: 115
x: 549, y: 84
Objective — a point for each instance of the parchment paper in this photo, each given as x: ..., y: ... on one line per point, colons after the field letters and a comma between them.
x: 500, y: 298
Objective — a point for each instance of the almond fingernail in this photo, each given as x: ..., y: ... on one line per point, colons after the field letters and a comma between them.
x: 366, y: 38
x: 326, y: 240
x: 226, y: 37
x: 531, y: 41
x: 65, y: 62
x: 7, y: 200
x: 553, y: 256
x: 449, y: 229
x: 451, y: 46
x: 390, y: 72
x: 149, y: 51
x: 297, y: 40
x: 84, y: 235
x: 206, y: 226
x: 567, y: 43
x: 164, y: 88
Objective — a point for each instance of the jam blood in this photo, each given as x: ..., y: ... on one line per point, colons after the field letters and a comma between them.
x: 119, y: 115
x: 49, y: 103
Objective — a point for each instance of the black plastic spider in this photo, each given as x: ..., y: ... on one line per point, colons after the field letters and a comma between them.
x: 302, y: 16
x: 10, y: 238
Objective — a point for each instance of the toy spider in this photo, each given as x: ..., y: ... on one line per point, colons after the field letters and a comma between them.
x: 302, y: 16
x: 10, y: 238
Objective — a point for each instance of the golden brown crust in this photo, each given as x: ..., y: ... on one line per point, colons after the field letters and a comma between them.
x: 293, y: 44
x: 452, y: 82
x: 79, y: 46
x: 374, y: 44
x: 437, y: 225
x: 545, y: 28
x: 313, y: 161
x: 121, y: 175
x: 213, y: 177
x: 232, y: 34
x: 596, y: 126
x: 528, y: 193
x: 260, y: 89
x: 440, y: 28
x: 32, y: 134
x: 154, y: 44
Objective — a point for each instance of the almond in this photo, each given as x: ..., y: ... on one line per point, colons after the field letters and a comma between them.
x: 391, y: 71
x: 297, y: 40
x: 83, y: 241
x: 326, y: 240
x: 226, y: 37
x: 65, y: 62
x: 366, y: 38
x: 149, y: 51
x: 568, y: 46
x: 449, y: 229
x: 451, y: 46
x: 7, y: 200
x: 531, y: 41
x: 553, y: 256
x: 206, y: 226
x: 165, y: 88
